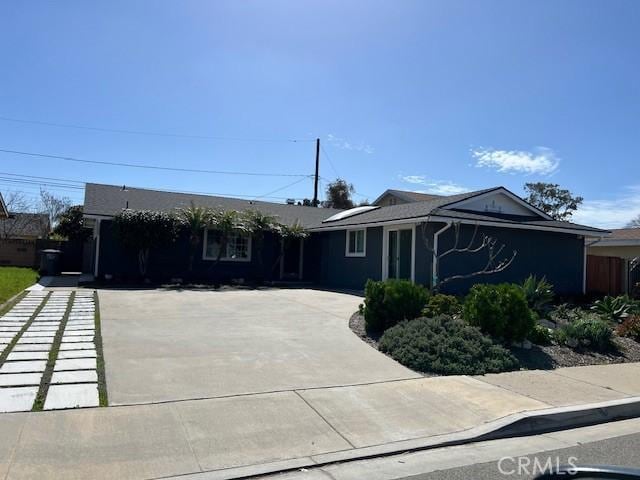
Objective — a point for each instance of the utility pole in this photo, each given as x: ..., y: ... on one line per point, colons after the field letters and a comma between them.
x: 315, y: 178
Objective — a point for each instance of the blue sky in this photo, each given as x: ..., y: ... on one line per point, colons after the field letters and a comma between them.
x: 438, y: 96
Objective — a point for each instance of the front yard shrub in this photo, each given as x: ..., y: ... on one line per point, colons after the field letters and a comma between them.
x: 589, y: 332
x: 615, y: 309
x: 541, y: 335
x: 389, y: 302
x: 630, y: 328
x: 499, y: 310
x: 539, y: 294
x: 447, y: 346
x: 441, y: 304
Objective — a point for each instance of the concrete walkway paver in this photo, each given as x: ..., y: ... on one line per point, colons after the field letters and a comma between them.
x: 392, y: 411
x: 552, y: 388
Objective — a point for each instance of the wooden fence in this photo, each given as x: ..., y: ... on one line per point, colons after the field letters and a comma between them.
x: 605, y: 275
x: 26, y: 253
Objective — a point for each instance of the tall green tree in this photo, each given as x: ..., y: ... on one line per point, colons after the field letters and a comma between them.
x: 71, y: 225
x: 557, y: 202
x: 339, y: 195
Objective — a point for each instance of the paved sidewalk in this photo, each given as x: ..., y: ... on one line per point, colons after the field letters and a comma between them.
x: 290, y: 427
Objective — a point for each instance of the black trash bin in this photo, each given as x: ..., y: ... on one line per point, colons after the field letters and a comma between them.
x: 50, y: 261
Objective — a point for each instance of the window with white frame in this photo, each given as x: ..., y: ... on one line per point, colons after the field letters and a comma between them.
x: 238, y: 248
x: 356, y: 243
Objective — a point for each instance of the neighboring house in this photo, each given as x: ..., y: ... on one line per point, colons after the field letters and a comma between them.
x: 615, y: 261
x: 4, y: 213
x: 24, y: 226
x: 398, y: 197
x: 345, y: 248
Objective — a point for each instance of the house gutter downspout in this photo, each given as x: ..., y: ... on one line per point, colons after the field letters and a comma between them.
x: 434, y: 262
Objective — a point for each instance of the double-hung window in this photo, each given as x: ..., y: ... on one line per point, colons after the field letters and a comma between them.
x: 237, y: 249
x: 356, y: 243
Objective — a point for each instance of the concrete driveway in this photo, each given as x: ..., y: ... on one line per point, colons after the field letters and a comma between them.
x: 163, y: 345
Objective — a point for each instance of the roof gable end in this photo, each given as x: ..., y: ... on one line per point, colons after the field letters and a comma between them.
x: 497, y: 201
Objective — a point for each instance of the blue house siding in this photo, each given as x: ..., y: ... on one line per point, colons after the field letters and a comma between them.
x: 340, y: 271
x: 557, y: 256
x: 172, y: 261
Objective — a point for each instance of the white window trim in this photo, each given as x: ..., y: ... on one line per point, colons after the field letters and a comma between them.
x: 364, y: 241
x: 224, y: 258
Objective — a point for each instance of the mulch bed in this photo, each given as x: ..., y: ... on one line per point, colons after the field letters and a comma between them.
x: 540, y: 357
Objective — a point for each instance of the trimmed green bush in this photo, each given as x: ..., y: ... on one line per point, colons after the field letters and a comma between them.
x: 389, y: 302
x: 499, y: 310
x: 541, y: 335
x: 446, y: 346
x: 589, y: 332
x: 441, y: 304
x: 630, y: 328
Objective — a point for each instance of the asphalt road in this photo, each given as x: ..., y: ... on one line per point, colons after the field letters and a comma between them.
x: 620, y: 451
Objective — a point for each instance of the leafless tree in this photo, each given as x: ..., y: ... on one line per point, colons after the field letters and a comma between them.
x: 488, y: 245
x: 53, y: 206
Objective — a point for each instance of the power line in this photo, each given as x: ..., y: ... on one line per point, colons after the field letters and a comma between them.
x: 152, y: 167
x: 279, y: 189
x: 32, y: 180
x: 335, y: 170
x: 155, y: 134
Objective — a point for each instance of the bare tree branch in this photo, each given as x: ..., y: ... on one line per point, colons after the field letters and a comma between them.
x: 494, y: 263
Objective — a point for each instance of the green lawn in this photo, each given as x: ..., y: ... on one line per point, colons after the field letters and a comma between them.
x: 15, y: 279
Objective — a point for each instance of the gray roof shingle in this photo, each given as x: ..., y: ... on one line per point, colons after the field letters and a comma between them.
x: 109, y: 200
x: 436, y: 207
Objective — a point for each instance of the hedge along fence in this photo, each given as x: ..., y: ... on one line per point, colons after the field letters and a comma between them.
x: 143, y: 230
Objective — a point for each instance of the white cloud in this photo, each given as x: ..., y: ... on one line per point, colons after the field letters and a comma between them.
x: 436, y: 187
x: 345, y: 145
x: 610, y: 213
x: 542, y: 161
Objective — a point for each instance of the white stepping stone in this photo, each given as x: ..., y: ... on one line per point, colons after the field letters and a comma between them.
x: 19, y: 399
x: 75, y: 333
x: 72, y: 339
x: 73, y: 327
x: 75, y: 364
x: 29, y: 334
x: 72, y: 396
x: 79, y: 376
x: 43, y: 328
x: 23, y: 366
x: 27, y: 356
x: 77, y: 354
x: 34, y: 347
x: 20, y: 379
x: 77, y: 346
x: 24, y: 340
x: 10, y: 329
x: 7, y: 334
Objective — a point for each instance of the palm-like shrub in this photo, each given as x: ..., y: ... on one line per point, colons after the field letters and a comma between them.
x: 615, y: 309
x: 539, y: 294
x: 194, y: 219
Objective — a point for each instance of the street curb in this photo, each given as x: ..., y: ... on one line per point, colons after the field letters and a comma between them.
x: 516, y: 425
